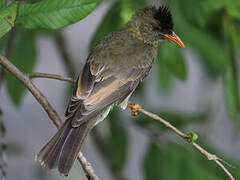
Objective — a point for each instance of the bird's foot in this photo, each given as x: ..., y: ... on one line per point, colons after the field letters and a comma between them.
x: 134, y: 108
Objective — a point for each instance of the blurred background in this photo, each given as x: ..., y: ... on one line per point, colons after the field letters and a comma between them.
x: 196, y: 89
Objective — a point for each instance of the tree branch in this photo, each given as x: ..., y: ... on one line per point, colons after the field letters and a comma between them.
x: 211, y: 157
x: 71, y: 69
x: 52, y: 114
x: 99, y: 141
x: 3, y: 145
x: 50, y: 76
x: 137, y: 108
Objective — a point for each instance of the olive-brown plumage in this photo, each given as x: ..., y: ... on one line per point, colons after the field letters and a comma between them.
x: 112, y: 71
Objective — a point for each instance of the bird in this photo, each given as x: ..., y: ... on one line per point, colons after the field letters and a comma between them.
x: 113, y: 70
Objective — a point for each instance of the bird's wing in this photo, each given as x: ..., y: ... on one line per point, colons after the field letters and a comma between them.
x: 103, y: 83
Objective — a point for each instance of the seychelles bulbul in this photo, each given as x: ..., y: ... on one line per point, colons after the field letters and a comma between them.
x: 112, y: 71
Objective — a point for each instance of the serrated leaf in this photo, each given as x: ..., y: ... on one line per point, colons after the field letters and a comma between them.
x: 7, y: 18
x: 118, y: 140
x: 24, y: 58
x: 172, y: 56
x: 54, y: 14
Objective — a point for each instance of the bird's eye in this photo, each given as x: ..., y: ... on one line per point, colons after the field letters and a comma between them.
x: 155, y: 28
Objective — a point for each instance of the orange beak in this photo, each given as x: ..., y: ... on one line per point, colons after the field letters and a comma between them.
x: 174, y: 38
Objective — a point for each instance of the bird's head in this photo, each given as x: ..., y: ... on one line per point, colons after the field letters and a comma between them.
x: 155, y: 24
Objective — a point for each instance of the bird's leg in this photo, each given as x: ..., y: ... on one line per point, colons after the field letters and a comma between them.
x: 134, y: 108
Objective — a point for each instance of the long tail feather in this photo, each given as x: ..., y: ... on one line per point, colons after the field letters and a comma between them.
x: 62, y: 150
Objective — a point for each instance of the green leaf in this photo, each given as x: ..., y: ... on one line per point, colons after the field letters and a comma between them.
x: 174, y: 162
x: 54, y: 14
x: 211, y: 6
x: 230, y: 78
x: 3, y: 4
x: 152, y: 163
x: 195, y: 15
x: 129, y: 7
x: 211, y: 50
x: 231, y: 91
x: 117, y: 15
x: 193, y: 137
x: 118, y: 140
x: 172, y: 56
x: 7, y: 18
x: 24, y: 58
x: 232, y: 7
x: 179, y: 119
x: 230, y: 32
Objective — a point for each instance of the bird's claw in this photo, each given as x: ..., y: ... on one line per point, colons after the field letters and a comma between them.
x: 134, y: 108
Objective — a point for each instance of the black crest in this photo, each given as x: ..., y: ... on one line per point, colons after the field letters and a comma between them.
x: 164, y: 17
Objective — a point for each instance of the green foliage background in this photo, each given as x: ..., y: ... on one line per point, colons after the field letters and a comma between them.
x: 210, y: 28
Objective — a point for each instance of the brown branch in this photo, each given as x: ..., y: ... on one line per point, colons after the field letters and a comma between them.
x: 98, y: 139
x: 3, y: 144
x: 137, y: 108
x: 211, y: 157
x: 87, y: 167
x: 52, y: 114
x: 50, y: 76
x: 71, y: 69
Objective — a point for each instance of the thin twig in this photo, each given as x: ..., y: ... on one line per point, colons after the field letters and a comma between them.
x: 87, y: 167
x: 52, y: 114
x: 98, y: 139
x: 50, y: 76
x: 72, y: 71
x: 33, y: 89
x: 210, y: 156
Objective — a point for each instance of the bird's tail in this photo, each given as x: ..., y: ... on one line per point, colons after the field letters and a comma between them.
x: 62, y: 150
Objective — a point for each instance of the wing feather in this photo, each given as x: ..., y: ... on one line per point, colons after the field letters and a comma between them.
x: 108, y: 77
